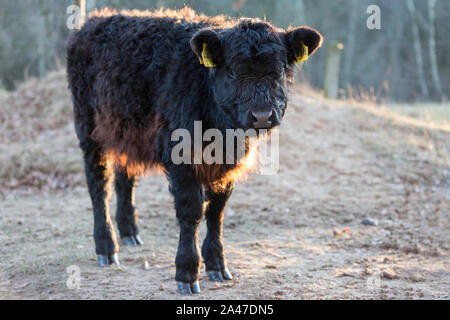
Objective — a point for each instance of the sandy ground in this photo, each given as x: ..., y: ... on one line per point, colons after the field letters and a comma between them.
x: 295, y: 235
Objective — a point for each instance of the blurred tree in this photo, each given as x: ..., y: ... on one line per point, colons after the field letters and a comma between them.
x: 350, y: 41
x: 410, y: 52
x: 417, y: 48
x: 432, y: 47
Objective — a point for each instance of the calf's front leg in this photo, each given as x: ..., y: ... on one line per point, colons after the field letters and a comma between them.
x: 212, y: 249
x: 188, y: 196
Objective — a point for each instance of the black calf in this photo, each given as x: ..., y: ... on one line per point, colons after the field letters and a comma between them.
x: 135, y: 77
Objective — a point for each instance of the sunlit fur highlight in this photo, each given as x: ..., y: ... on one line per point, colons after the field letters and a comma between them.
x: 218, y: 176
x: 128, y: 146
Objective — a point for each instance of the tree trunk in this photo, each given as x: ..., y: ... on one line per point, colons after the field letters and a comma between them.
x: 41, y: 40
x: 395, y: 63
x: 432, y: 47
x: 82, y: 5
x: 417, y: 49
x: 331, y: 84
x: 350, y: 45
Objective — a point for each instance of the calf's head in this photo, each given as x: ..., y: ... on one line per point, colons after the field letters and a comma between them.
x: 250, y: 67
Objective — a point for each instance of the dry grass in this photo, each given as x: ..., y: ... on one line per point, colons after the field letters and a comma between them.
x: 430, y: 112
x: 413, y: 138
x: 37, y: 142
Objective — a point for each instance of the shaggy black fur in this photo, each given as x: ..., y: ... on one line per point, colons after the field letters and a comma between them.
x: 136, y: 76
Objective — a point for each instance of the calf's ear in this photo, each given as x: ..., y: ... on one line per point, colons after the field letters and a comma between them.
x: 207, y: 45
x: 301, y: 43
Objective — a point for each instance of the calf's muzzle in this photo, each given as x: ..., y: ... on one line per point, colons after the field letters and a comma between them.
x: 261, y: 119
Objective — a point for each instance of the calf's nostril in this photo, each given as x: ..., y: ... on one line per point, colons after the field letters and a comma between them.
x: 254, y: 117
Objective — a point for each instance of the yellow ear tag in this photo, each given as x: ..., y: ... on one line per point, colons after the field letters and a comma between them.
x: 204, y: 59
x: 305, y: 54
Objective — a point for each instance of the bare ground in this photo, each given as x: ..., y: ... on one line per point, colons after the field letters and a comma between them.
x: 296, y: 235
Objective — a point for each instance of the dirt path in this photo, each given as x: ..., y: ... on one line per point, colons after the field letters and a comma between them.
x: 296, y: 235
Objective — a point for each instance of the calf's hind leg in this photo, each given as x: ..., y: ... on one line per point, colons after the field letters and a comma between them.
x: 99, y: 178
x: 212, y: 249
x: 127, y: 215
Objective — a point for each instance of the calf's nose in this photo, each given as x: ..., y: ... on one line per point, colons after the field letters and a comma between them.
x: 261, y: 119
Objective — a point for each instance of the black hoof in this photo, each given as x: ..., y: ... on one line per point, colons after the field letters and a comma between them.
x: 114, y: 259
x: 138, y: 239
x: 102, y: 260
x: 129, y: 241
x: 106, y: 260
x: 227, y: 274
x: 188, y: 288
x: 195, y: 287
x: 132, y: 241
x: 215, y: 276
x: 220, y: 276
